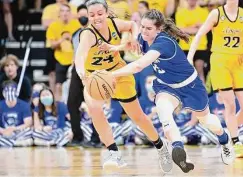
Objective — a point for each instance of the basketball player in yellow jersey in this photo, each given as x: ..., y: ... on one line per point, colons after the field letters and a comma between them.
x: 226, y: 23
x: 90, y: 58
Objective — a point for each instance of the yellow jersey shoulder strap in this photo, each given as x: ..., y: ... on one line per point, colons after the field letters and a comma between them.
x: 114, y: 26
x: 92, y: 31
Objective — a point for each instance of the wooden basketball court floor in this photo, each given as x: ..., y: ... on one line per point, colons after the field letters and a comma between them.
x: 68, y: 162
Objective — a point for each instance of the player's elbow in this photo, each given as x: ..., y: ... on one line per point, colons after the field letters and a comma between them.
x: 138, y: 68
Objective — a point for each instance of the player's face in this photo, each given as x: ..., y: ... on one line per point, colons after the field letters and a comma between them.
x: 65, y: 13
x: 97, y: 15
x: 10, y: 69
x: 148, y: 30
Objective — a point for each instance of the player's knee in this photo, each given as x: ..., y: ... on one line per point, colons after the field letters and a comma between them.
x: 211, y: 122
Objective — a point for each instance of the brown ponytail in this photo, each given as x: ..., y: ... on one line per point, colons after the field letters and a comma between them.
x: 174, y: 31
x: 166, y: 24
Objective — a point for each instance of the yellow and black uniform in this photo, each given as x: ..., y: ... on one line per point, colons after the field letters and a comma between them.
x: 227, y: 52
x: 99, y: 60
x: 182, y: 21
x: 64, y: 53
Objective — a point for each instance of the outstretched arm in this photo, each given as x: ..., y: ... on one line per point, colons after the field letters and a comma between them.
x: 137, y: 65
x: 205, y: 28
x: 87, y: 40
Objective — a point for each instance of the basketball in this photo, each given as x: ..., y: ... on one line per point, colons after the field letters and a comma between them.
x: 100, y: 85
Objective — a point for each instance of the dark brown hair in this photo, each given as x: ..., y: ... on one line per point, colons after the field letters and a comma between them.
x: 42, y: 107
x: 166, y: 24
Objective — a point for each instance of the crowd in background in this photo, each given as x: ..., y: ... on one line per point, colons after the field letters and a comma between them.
x: 40, y: 116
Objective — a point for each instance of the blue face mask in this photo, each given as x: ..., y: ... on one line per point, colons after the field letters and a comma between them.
x: 47, y: 101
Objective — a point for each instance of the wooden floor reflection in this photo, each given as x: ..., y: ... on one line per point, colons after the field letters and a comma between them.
x: 69, y: 162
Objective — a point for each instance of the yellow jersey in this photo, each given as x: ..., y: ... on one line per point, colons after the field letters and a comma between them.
x: 98, y: 60
x: 182, y: 21
x: 227, y: 34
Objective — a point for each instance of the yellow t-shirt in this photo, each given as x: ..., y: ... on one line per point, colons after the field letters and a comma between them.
x: 63, y: 54
x: 51, y: 12
x: 197, y: 16
x: 98, y: 60
x: 228, y: 35
x: 153, y: 4
x: 121, y: 9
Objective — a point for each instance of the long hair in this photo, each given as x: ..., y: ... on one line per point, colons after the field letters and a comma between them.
x: 42, y: 107
x: 166, y: 24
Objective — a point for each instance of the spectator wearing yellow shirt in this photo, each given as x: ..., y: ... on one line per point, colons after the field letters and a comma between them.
x: 50, y: 14
x: 167, y: 7
x: 120, y: 8
x: 190, y: 19
x: 59, y: 34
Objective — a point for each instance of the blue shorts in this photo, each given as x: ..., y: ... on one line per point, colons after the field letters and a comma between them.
x: 192, y: 96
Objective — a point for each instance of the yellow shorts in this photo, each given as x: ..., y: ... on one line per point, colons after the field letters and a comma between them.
x: 125, y: 86
x: 125, y: 89
x: 226, y: 71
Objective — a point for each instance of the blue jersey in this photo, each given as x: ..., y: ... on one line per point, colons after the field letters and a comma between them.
x: 53, y: 121
x: 172, y: 65
x: 14, y: 116
x: 174, y: 74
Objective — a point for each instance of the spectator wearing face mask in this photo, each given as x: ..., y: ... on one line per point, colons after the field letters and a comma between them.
x: 10, y: 64
x: 15, y: 118
x: 50, y: 121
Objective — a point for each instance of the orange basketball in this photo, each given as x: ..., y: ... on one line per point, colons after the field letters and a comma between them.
x: 100, y: 85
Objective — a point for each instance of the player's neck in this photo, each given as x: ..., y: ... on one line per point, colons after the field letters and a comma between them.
x: 231, y: 7
x: 11, y: 104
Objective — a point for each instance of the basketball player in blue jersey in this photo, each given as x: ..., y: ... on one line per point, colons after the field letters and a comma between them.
x: 15, y: 118
x: 176, y: 82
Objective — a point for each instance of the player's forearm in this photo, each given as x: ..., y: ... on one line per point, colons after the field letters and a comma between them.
x: 193, y: 48
x: 135, y: 31
x: 79, y: 63
x: 129, y: 69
